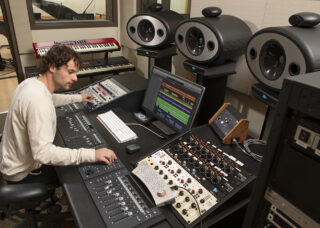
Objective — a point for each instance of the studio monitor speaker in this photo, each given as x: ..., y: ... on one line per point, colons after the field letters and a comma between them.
x: 275, y: 53
x: 155, y: 28
x: 212, y: 39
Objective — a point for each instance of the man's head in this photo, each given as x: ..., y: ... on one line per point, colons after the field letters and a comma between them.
x: 63, y: 63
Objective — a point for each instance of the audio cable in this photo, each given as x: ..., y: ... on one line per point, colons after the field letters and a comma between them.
x: 246, y: 150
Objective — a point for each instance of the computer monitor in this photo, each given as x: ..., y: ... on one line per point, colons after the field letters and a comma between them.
x: 172, y: 100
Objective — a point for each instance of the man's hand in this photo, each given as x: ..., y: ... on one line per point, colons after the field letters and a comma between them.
x: 86, y: 97
x: 105, y: 155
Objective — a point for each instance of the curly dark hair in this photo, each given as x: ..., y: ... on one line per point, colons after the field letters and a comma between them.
x: 59, y: 55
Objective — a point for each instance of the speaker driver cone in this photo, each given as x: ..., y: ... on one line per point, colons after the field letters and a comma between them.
x: 272, y: 60
x: 146, y: 30
x: 195, y: 41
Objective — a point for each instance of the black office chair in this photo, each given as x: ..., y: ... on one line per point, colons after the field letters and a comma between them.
x: 23, y: 200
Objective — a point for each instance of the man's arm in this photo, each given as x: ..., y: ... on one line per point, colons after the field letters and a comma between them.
x: 40, y: 122
x: 64, y: 99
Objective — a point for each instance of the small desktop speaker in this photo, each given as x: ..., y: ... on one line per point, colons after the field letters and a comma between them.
x: 275, y: 53
x: 212, y: 39
x: 155, y: 28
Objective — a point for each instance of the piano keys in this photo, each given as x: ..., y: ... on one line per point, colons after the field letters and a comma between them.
x: 81, y: 46
x: 94, y: 67
x: 103, y: 66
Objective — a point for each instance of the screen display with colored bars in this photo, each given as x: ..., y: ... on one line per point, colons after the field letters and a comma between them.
x: 172, y: 100
x: 174, y: 105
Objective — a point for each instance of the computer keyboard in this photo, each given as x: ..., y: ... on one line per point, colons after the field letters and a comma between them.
x: 117, y: 128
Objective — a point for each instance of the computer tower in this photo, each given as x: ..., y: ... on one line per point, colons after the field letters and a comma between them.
x: 287, y: 189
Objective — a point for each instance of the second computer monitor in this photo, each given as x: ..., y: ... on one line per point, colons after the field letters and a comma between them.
x: 172, y: 100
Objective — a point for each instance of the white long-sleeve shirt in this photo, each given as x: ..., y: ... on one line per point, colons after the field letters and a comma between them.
x: 29, y: 131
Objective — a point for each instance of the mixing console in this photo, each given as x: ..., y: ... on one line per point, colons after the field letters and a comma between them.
x: 118, y: 198
x: 103, y: 92
x: 202, y: 175
x: 78, y: 132
x: 68, y: 109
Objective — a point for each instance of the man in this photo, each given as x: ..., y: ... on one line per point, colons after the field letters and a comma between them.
x: 27, y: 152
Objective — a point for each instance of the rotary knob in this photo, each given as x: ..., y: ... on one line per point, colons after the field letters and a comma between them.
x: 161, y: 193
x: 89, y: 172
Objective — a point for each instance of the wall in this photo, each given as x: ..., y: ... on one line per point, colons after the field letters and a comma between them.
x: 257, y: 14
x: 26, y: 36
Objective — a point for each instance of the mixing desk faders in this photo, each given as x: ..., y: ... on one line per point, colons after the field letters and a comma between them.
x: 77, y: 131
x: 68, y: 109
x: 202, y: 175
x: 118, y: 198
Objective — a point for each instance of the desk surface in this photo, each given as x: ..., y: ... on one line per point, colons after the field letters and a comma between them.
x: 83, y: 208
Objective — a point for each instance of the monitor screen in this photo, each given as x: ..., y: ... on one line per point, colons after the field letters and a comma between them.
x: 172, y: 100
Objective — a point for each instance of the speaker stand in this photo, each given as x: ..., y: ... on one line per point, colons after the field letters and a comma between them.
x: 162, y: 57
x: 214, y: 79
x: 270, y: 98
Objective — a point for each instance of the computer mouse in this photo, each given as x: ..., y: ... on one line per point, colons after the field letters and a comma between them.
x: 132, y: 148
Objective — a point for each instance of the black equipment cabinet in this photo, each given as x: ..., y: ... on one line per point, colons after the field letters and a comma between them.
x: 287, y: 188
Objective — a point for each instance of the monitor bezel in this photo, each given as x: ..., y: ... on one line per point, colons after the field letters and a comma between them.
x: 159, y: 72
